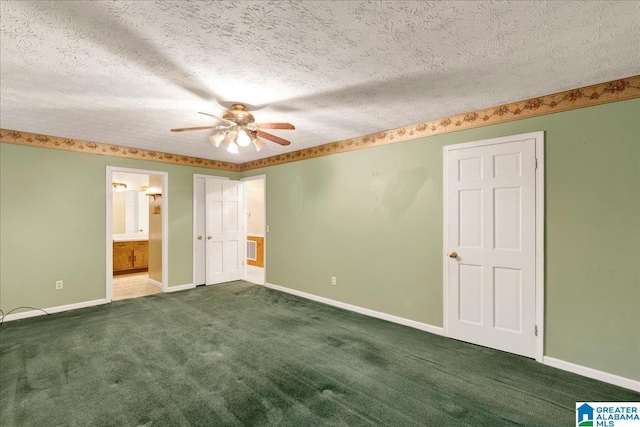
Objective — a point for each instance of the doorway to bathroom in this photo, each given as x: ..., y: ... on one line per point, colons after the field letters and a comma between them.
x: 136, y: 226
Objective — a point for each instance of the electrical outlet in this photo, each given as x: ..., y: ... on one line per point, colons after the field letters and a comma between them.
x: 333, y: 280
x: 59, y: 284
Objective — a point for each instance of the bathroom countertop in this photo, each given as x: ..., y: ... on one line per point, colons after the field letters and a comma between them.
x: 129, y: 238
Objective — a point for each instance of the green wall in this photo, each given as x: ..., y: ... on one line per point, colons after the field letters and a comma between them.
x: 52, y: 224
x: 373, y: 219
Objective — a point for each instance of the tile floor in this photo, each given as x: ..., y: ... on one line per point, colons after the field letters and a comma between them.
x: 132, y: 286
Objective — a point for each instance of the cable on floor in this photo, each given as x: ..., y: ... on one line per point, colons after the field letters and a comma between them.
x: 3, y: 315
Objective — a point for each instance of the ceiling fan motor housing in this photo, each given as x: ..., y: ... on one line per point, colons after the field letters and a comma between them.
x: 238, y: 113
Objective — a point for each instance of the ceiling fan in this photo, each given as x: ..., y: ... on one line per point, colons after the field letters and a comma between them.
x: 240, y: 130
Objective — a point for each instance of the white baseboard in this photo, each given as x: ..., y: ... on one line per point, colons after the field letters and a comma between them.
x: 154, y: 282
x: 254, y: 275
x: 592, y: 373
x: 180, y: 287
x: 51, y: 310
x: 367, y: 312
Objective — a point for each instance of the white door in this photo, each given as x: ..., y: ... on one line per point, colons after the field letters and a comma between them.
x: 490, y: 239
x: 199, y: 253
x: 224, y: 225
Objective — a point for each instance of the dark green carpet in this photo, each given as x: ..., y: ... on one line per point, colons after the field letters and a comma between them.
x: 239, y: 354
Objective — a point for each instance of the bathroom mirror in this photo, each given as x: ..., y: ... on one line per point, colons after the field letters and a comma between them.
x: 130, y: 205
x: 130, y: 212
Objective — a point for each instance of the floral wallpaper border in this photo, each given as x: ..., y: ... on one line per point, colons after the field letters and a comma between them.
x: 613, y: 91
x: 79, y: 146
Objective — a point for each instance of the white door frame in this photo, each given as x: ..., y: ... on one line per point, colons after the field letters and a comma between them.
x: 264, y: 232
x: 193, y: 227
x: 539, y: 251
x: 109, y: 225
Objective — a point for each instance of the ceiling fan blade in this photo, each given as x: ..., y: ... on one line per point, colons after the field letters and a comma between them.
x: 195, y: 128
x: 200, y: 128
x: 273, y: 138
x: 218, y: 118
x: 288, y: 126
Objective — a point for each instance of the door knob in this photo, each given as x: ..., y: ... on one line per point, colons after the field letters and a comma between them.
x: 453, y: 254
x: 199, y: 237
x: 208, y: 237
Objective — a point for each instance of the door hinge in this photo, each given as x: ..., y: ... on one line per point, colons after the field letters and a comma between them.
x: 535, y: 330
x: 536, y: 163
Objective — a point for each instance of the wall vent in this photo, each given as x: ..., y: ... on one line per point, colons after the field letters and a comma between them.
x: 251, y: 250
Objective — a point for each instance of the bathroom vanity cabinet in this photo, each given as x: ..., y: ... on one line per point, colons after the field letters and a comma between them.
x: 130, y: 255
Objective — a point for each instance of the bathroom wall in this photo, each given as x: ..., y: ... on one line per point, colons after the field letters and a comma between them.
x: 155, y: 230
x: 119, y: 212
x: 255, y: 207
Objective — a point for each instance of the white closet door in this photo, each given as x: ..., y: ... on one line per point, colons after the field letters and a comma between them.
x: 491, y: 229
x: 199, y: 237
x: 224, y: 223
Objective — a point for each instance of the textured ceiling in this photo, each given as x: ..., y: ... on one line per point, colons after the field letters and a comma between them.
x: 126, y: 72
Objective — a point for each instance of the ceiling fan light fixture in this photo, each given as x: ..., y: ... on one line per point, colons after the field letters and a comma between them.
x: 243, y: 138
x: 119, y: 187
x: 217, y: 139
x: 232, y: 135
x: 258, y: 144
x: 233, y: 147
